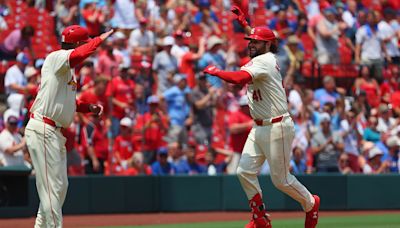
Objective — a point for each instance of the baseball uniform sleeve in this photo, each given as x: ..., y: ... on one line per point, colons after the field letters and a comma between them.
x: 257, y: 67
x: 59, y: 60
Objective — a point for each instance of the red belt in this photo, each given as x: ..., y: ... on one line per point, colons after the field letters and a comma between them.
x: 47, y: 120
x: 273, y: 120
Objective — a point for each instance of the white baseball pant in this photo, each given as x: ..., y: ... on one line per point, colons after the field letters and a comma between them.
x: 46, y: 145
x: 272, y: 142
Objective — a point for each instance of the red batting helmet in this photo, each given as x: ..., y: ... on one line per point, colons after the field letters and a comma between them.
x: 74, y: 34
x: 261, y: 33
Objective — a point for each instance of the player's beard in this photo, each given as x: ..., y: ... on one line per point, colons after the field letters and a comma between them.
x: 256, y: 52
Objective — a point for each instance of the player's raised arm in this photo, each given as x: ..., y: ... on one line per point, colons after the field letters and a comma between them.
x: 241, y: 18
x: 77, y: 38
x: 235, y: 77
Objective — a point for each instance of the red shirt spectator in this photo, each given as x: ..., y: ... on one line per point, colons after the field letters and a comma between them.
x: 121, y: 91
x: 240, y: 124
x: 124, y: 147
x: 188, y: 61
x: 108, y: 64
x: 96, y: 95
x: 153, y: 124
x: 93, y: 18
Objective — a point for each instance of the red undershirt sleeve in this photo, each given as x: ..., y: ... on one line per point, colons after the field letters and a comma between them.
x: 235, y: 77
x: 82, y: 52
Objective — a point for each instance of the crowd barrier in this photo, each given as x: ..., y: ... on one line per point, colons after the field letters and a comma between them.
x: 141, y: 194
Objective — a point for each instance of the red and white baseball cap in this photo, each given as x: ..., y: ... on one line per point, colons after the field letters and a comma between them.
x: 74, y: 34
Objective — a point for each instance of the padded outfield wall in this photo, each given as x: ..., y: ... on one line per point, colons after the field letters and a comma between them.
x: 99, y: 194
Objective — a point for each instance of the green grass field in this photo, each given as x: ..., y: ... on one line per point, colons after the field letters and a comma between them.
x: 376, y: 221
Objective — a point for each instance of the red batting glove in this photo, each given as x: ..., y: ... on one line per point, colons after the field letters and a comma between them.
x: 211, y: 69
x: 240, y: 16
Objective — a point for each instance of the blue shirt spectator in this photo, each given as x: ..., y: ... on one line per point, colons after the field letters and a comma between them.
x: 177, y: 104
x: 328, y: 93
x: 213, y: 57
x: 162, y: 166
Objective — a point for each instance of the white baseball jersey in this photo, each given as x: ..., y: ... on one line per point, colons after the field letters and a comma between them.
x: 266, y: 95
x: 57, y: 94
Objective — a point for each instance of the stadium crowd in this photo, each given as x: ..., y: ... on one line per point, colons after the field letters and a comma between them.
x: 163, y: 116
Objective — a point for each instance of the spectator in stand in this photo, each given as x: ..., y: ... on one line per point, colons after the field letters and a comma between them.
x: 344, y: 165
x: 214, y: 168
x: 120, y: 47
x: 369, y: 85
x: 387, y: 124
x: 374, y: 164
x: 298, y: 163
x: 240, y: 124
x: 15, y: 80
x: 370, y: 49
x: 124, y: 17
x: 140, y: 99
x: 16, y: 42
x: 72, y: 135
x: 32, y: 75
x: 93, y: 17
x: 154, y: 126
x: 180, y: 47
x: 213, y: 57
x: 371, y: 133
x: 177, y: 159
x: 328, y: 93
x: 85, y: 77
x: 165, y: 66
x: 190, y: 153
x: 390, y: 85
x: 66, y: 15
x: 206, y: 18
x: 393, y: 144
x: 123, y: 146
x: 97, y: 145
x: 280, y: 23
x: 181, y: 22
x: 97, y: 94
x: 326, y: 146
x: 389, y: 36
x: 327, y: 38
x: 349, y: 17
x: 120, y: 92
x: 142, y: 40
x: 163, y: 24
x: 137, y: 166
x: 12, y: 144
x: 296, y: 58
x: 108, y: 64
x: 189, y: 61
x: 204, y: 100
x: 177, y: 105
x: 162, y: 166
x: 351, y: 139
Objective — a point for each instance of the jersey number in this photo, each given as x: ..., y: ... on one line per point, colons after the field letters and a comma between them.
x: 257, y: 95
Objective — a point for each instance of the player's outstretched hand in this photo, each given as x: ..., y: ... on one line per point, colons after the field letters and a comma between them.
x: 236, y: 10
x: 211, y: 69
x: 241, y: 18
x: 96, y: 109
x: 105, y: 35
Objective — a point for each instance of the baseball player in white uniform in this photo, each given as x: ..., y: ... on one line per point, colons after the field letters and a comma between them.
x: 54, y: 109
x: 271, y: 137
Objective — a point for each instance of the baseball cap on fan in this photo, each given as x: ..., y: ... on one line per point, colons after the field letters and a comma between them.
x: 22, y: 58
x: 126, y: 122
x: 10, y: 116
x: 74, y: 34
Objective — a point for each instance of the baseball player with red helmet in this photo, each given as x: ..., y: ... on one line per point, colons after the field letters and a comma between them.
x: 271, y: 137
x: 52, y: 110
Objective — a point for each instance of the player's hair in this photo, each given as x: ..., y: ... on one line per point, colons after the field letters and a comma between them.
x: 67, y: 46
x: 273, y: 48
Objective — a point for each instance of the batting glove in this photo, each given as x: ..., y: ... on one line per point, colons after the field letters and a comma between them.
x: 240, y: 16
x: 211, y: 69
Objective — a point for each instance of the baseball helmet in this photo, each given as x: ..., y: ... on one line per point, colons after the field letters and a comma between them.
x: 261, y: 33
x: 74, y: 34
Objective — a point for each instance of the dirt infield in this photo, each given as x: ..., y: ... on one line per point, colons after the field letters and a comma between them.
x: 74, y: 221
